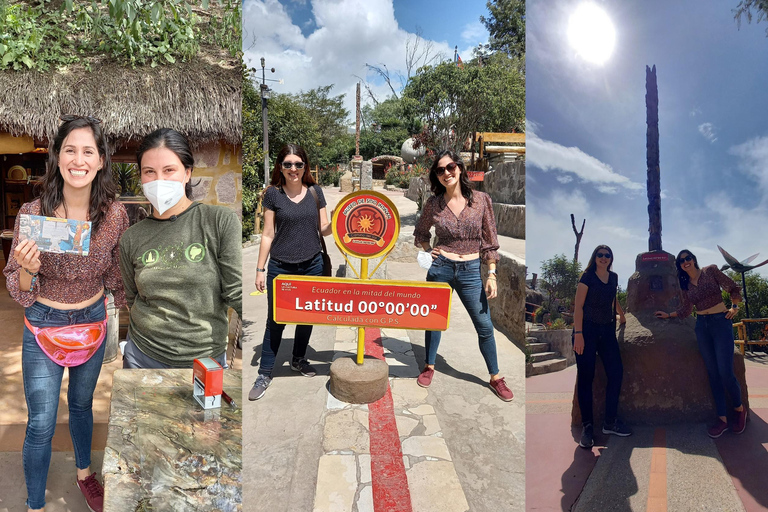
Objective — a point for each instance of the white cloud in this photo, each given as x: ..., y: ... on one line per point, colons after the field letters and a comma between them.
x: 474, y: 33
x: 347, y: 35
x: 565, y: 178
x: 696, y: 111
x: 547, y: 155
x: 753, y: 156
x: 708, y: 131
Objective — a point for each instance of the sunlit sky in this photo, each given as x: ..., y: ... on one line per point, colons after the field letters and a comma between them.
x: 314, y: 43
x: 586, y: 133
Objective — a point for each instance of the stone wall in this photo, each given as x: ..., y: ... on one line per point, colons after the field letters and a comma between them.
x: 218, y: 175
x: 505, y: 182
x: 559, y: 341
x: 508, y: 308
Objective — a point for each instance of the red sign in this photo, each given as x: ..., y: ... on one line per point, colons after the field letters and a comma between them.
x: 654, y: 256
x: 361, y: 303
x: 476, y: 175
x: 365, y: 224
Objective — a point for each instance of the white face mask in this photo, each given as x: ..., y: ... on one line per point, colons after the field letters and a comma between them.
x: 163, y: 194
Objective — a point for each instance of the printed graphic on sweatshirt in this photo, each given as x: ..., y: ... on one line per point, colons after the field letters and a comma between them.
x: 173, y: 256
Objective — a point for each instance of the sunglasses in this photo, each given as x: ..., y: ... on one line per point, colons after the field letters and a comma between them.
x: 289, y: 165
x: 450, y: 168
x: 603, y: 255
x: 687, y: 258
x: 71, y: 117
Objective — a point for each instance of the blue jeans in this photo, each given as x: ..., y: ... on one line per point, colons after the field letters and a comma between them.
x: 464, y: 277
x: 135, y: 359
x: 715, y: 336
x: 42, y: 382
x: 599, y: 339
x: 273, y: 334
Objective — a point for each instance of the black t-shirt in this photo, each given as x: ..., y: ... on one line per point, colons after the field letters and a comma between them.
x: 598, y: 306
x: 296, y: 236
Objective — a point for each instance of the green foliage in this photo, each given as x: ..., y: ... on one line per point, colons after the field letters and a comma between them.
x: 558, y: 323
x: 253, y: 156
x: 621, y: 295
x: 460, y: 100
x: 330, y: 177
x: 757, y: 295
x: 559, y: 277
x: 745, y: 9
x: 126, y: 177
x: 385, y: 142
x: 132, y: 32
x: 402, y: 177
x: 506, y: 25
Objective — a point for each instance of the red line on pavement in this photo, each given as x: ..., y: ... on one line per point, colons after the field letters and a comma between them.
x: 390, y: 484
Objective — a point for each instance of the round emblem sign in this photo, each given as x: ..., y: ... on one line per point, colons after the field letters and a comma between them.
x: 365, y: 224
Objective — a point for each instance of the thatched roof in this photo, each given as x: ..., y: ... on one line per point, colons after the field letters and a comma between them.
x: 201, y: 98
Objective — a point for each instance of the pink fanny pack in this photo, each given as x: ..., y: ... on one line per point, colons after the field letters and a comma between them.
x: 70, y: 345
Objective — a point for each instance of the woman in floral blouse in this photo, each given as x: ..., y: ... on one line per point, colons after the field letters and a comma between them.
x: 466, y: 234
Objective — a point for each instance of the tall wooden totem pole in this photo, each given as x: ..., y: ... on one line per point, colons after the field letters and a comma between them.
x: 652, y: 159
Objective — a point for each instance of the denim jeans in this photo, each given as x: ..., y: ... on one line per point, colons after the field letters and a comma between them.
x: 273, y: 334
x: 599, y: 339
x: 42, y: 382
x: 464, y: 277
x: 715, y: 336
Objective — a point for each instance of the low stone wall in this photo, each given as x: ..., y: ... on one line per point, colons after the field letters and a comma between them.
x: 507, y: 310
x: 419, y: 188
x: 510, y: 219
x: 218, y: 175
x: 559, y: 341
x: 505, y: 183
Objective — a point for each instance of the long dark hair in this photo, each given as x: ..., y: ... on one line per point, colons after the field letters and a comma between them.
x: 592, y: 266
x: 682, y: 275
x: 103, y: 189
x: 438, y: 189
x: 278, y: 180
x: 176, y: 142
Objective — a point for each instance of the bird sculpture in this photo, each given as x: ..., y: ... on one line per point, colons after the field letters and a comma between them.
x: 742, y: 267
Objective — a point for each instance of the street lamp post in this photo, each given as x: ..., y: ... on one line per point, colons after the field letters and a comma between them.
x: 265, y: 92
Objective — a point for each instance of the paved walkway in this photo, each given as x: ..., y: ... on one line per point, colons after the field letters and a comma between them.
x: 675, y: 468
x: 456, y: 444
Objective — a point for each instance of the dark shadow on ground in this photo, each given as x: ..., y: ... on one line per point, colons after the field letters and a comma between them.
x: 746, y: 458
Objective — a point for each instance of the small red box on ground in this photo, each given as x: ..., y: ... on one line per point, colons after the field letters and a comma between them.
x: 208, y: 382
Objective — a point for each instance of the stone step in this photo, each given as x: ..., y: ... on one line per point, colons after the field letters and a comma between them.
x: 538, y: 348
x: 552, y: 365
x: 531, y: 339
x: 544, y: 356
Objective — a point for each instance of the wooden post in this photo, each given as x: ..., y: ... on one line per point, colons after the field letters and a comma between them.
x: 652, y: 159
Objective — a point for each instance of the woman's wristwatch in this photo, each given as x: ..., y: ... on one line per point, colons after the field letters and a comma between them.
x: 734, y: 306
x: 260, y: 270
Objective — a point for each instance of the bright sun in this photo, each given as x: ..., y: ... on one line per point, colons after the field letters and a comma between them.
x: 591, y: 33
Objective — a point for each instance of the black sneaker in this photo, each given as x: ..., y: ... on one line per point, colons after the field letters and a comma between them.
x: 587, y: 438
x: 303, y: 367
x: 617, y: 428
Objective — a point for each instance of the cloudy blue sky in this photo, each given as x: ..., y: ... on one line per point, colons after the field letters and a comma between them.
x: 314, y: 43
x: 586, y: 132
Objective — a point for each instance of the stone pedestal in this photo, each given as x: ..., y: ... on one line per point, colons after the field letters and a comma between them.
x: 665, y: 380
x: 359, y: 384
x: 366, y: 175
x: 345, y: 182
x: 356, y: 165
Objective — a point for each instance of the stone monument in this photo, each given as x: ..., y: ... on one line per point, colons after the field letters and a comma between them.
x: 665, y: 380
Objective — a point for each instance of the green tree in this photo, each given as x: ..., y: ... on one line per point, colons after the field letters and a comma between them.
x: 757, y: 295
x: 745, y: 9
x: 455, y: 101
x: 560, y: 276
x: 506, y: 25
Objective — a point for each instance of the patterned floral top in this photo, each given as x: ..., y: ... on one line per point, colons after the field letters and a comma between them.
x: 69, y: 278
x: 706, y: 293
x: 474, y: 230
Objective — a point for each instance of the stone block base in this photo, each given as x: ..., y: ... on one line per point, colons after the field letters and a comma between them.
x: 359, y: 384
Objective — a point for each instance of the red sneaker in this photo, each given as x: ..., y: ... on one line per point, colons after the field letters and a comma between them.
x: 500, y: 388
x: 425, y: 377
x: 93, y: 492
x: 740, y: 423
x: 717, y: 429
